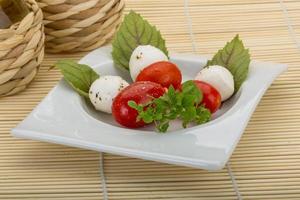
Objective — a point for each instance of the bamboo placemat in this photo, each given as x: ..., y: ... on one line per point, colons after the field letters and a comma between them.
x: 266, y: 163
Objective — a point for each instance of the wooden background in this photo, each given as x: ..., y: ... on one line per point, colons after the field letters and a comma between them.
x: 266, y: 162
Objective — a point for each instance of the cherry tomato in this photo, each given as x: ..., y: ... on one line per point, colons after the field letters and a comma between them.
x: 211, y: 96
x: 140, y: 92
x: 163, y: 72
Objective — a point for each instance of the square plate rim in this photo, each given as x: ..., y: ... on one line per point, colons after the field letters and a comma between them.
x: 190, y: 162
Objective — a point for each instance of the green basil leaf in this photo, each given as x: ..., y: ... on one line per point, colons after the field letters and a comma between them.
x: 235, y: 58
x: 134, y: 31
x: 80, y: 77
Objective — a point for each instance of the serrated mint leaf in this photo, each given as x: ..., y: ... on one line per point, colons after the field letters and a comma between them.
x: 235, y: 58
x: 80, y: 77
x: 134, y: 31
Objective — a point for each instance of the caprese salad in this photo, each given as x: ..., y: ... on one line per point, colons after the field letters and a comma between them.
x: 157, y: 94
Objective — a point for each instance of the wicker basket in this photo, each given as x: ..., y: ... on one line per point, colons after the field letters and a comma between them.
x: 79, y: 25
x: 21, y: 51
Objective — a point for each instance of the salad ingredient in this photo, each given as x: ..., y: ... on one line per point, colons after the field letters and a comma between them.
x: 211, y: 97
x: 235, y: 58
x: 143, y: 56
x: 79, y: 76
x: 220, y: 78
x: 134, y: 31
x: 164, y: 73
x: 175, y: 104
x: 103, y: 91
x: 139, y: 92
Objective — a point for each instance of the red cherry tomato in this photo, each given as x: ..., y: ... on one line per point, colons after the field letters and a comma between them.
x: 211, y: 96
x: 164, y: 73
x: 140, y: 92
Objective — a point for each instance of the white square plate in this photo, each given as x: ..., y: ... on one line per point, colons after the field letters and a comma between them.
x: 63, y: 117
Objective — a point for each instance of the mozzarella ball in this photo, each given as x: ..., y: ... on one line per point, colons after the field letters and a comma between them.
x: 103, y: 91
x: 220, y: 78
x: 142, y: 57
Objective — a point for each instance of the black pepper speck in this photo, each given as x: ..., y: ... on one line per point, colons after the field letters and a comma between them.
x: 139, y: 56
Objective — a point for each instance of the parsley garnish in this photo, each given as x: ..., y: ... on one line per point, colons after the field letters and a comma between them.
x: 174, y: 104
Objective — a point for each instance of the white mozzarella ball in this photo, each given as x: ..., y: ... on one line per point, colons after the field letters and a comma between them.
x: 103, y: 91
x: 220, y: 78
x: 142, y: 57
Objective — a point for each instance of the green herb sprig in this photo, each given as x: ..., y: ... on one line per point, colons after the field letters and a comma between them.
x: 174, y: 104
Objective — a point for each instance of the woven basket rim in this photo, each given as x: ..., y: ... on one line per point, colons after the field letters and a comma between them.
x: 68, y: 31
x: 21, y: 51
x: 15, y: 25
